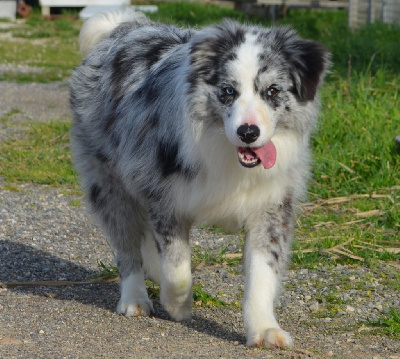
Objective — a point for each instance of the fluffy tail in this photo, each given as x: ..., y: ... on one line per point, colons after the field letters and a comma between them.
x: 101, y: 25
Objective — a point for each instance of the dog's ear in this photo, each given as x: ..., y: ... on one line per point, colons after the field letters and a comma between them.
x: 309, y: 63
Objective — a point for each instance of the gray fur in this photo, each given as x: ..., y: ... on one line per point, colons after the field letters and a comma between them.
x: 151, y: 144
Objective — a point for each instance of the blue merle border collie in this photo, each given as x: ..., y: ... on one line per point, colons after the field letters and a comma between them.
x: 175, y: 127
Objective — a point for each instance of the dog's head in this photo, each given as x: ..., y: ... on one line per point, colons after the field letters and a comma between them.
x: 257, y: 81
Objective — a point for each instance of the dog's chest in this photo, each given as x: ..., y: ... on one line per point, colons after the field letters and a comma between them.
x: 228, y: 200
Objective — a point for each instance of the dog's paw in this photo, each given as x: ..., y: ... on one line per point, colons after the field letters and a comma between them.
x: 177, y: 300
x: 179, y: 313
x: 179, y: 307
x: 271, y: 338
x: 135, y: 308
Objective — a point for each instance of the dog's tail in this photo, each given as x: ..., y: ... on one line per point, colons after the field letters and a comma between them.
x: 101, y: 25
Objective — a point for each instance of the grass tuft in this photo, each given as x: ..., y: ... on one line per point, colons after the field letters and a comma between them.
x: 41, y: 156
x: 204, y: 299
x: 388, y: 324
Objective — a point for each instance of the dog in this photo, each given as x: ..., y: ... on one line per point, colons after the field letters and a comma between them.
x: 175, y: 127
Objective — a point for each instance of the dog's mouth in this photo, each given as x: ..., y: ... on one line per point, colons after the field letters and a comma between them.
x: 252, y: 156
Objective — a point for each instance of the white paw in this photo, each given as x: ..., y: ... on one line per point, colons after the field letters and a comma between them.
x: 179, y: 307
x: 179, y: 313
x: 271, y: 338
x: 135, y: 308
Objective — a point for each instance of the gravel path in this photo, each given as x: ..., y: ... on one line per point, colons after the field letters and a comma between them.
x: 45, y: 236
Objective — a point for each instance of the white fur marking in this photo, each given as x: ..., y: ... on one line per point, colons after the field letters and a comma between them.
x: 262, y: 329
x: 134, y: 299
x: 151, y: 258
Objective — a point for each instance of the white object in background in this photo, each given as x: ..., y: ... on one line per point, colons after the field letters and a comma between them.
x: 8, y: 9
x: 89, y: 11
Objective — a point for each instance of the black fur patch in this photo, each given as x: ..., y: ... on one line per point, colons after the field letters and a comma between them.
x: 155, y: 52
x: 115, y: 139
x: 169, y: 162
x: 162, y: 246
x: 276, y: 255
x: 121, y: 66
x: 209, y: 55
x: 102, y: 157
x: 314, y: 56
x: 95, y: 195
x: 109, y: 122
x: 167, y: 154
x: 309, y: 63
x: 148, y: 125
x: 157, y: 46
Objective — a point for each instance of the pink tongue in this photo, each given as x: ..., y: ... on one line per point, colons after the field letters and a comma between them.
x: 266, y: 154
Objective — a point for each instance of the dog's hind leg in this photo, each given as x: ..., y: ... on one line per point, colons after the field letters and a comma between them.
x: 151, y: 258
x: 134, y: 299
x: 266, y: 250
x: 125, y: 222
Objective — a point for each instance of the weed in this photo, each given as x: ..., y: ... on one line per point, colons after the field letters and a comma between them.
x: 389, y: 324
x: 8, y: 116
x: 11, y: 187
x: 213, y: 258
x: 107, y: 271
x: 200, y: 297
x: 75, y: 203
x: 204, y: 299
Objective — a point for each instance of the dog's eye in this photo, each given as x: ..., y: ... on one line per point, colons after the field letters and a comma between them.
x: 230, y: 91
x: 227, y: 95
x: 272, y: 91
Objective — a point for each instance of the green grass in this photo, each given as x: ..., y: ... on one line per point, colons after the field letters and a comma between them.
x: 358, y: 127
x: 201, y: 298
x: 48, y: 45
x: 194, y: 14
x: 388, y: 324
x: 204, y: 299
x: 353, y: 49
x: 211, y: 258
x: 41, y: 155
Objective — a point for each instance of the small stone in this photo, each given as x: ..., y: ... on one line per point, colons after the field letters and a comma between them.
x: 397, y: 144
x: 345, y: 297
x: 350, y: 309
x: 314, y: 306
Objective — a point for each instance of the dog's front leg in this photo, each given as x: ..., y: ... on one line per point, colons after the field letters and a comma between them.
x: 269, y: 234
x: 176, y: 277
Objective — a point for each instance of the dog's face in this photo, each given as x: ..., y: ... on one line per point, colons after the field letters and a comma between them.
x: 254, y: 81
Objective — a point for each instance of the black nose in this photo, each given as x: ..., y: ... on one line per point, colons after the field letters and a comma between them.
x: 248, y: 134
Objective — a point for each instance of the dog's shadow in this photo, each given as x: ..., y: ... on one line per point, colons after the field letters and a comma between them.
x: 24, y: 263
